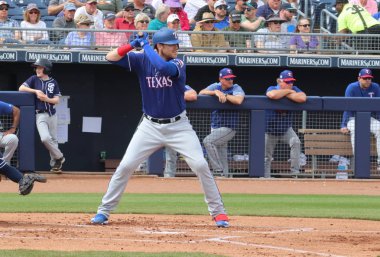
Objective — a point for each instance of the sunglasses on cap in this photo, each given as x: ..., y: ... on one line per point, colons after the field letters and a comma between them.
x: 3, y: 8
x: 304, y: 25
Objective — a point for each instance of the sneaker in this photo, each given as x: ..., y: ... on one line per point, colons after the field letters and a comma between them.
x: 57, y: 168
x: 221, y: 221
x: 100, y: 219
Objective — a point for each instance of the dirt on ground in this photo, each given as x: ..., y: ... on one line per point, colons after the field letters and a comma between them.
x: 247, y: 236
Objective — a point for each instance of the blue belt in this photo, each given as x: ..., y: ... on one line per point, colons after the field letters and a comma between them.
x: 162, y: 121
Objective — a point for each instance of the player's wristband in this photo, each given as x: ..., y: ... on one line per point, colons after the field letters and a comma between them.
x: 123, y: 50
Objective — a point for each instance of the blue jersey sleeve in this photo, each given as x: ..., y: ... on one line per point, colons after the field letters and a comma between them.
x: 238, y: 90
x: 214, y: 86
x: 164, y: 67
x: 5, y: 108
x: 347, y: 114
x: 271, y: 88
x: 130, y: 61
x: 30, y: 82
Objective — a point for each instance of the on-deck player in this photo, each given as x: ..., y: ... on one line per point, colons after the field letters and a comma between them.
x: 162, y: 81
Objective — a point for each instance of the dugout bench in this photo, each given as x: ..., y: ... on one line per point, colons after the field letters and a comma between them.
x: 328, y: 142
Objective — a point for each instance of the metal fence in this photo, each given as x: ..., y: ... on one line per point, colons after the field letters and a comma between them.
x: 210, y: 42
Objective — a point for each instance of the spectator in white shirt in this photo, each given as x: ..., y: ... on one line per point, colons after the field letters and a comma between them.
x: 32, y: 17
x: 92, y: 12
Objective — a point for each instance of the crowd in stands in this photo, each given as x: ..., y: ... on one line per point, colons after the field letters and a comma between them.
x: 267, y: 18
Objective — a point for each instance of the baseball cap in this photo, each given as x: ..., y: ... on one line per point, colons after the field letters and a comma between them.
x: 251, y: 5
x: 172, y: 17
x: 287, y: 75
x: 110, y: 16
x: 91, y: 1
x: 83, y: 19
x: 129, y: 6
x: 4, y: 3
x: 32, y: 6
x: 219, y: 3
x: 365, y: 73
x: 226, y: 73
x: 235, y: 16
x: 69, y: 7
x: 288, y: 7
x: 173, y: 3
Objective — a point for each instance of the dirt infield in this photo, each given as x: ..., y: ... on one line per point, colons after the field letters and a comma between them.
x: 248, y: 236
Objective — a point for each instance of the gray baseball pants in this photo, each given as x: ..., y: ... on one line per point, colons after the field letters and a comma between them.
x: 216, y: 144
x: 171, y: 162
x: 9, y: 143
x: 289, y: 137
x: 148, y: 138
x: 47, y: 128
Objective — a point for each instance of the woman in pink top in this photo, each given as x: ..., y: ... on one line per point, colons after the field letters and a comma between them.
x: 369, y: 5
x: 176, y: 8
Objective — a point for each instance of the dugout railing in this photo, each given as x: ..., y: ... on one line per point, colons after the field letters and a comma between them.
x: 316, y: 113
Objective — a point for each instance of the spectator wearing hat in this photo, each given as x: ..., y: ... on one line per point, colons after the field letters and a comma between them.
x: 369, y: 5
x: 32, y: 20
x: 64, y: 22
x: 268, y: 9
x: 173, y: 23
x: 105, y: 38
x: 8, y: 36
x: 249, y: 21
x: 287, y: 13
x: 267, y: 39
x: 141, y: 7
x: 127, y: 21
x: 90, y: 9
x: 364, y: 87
x: 162, y: 14
x: 303, y: 43
x: 221, y: 17
x: 81, y: 40
x: 211, y: 40
x: 113, y: 6
x: 176, y: 8
x: 223, y: 122
x: 55, y: 7
x: 240, y: 5
x: 192, y: 7
x: 236, y: 40
x: 209, y: 8
x: 279, y: 123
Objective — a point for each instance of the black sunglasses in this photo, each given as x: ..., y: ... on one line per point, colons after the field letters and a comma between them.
x: 144, y: 21
x: 208, y: 22
x: 3, y: 8
x: 229, y: 79
x: 236, y: 22
x: 222, y: 7
x: 276, y: 22
x: 367, y: 78
x: 305, y: 25
x: 289, y: 82
x: 248, y: 9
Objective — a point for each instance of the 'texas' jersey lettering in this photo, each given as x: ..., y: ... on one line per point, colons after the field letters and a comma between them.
x: 159, y: 81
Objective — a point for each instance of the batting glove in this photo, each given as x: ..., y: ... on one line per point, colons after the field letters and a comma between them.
x: 143, y: 42
x: 135, y: 43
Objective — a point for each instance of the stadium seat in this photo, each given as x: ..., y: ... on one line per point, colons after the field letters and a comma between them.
x: 48, y: 20
x: 18, y: 18
x: 40, y: 3
x: 11, y: 4
x: 315, y: 9
x: 17, y: 11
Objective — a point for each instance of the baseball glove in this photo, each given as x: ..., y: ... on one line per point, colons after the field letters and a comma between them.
x: 27, y: 182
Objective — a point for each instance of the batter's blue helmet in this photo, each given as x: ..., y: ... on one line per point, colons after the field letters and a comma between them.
x: 165, y: 36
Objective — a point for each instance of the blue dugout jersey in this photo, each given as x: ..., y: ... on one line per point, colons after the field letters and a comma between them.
x: 5, y: 108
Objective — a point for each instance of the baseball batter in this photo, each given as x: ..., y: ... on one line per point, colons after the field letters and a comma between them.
x: 162, y: 81
x: 47, y: 94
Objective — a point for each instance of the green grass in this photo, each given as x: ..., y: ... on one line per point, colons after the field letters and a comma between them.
x: 318, y: 206
x: 30, y: 253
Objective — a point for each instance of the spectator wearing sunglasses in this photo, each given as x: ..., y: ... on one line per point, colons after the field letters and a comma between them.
x: 236, y: 40
x: 267, y: 41
x: 174, y: 24
x: 287, y: 13
x: 279, y: 122
x: 221, y: 17
x: 364, y: 87
x: 142, y: 21
x: 81, y: 40
x: 91, y: 11
x: 223, y: 122
x: 162, y: 14
x: 8, y: 36
x: 32, y: 17
x: 127, y: 21
x: 211, y: 40
x: 303, y: 43
x: 249, y: 21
